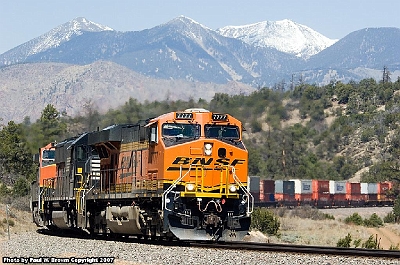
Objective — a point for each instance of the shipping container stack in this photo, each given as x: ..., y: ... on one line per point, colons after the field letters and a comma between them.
x: 353, y: 194
x: 372, y: 193
x: 303, y: 191
x: 255, y: 188
x: 267, y: 191
x: 284, y: 192
x: 383, y: 188
x: 321, y: 195
x: 337, y: 189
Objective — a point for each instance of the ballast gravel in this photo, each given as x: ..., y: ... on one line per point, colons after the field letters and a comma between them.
x: 35, y: 248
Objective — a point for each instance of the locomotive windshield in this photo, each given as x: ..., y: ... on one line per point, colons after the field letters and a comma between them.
x: 48, y: 157
x: 179, y: 132
x: 229, y: 132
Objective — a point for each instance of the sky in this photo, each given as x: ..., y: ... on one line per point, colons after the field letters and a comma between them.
x: 23, y: 20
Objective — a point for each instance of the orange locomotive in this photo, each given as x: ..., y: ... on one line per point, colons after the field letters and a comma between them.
x: 181, y: 175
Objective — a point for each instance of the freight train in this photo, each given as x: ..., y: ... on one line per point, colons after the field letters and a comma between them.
x: 182, y: 175
x: 319, y: 193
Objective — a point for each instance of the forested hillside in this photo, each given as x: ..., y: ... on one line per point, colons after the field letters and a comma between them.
x: 338, y: 131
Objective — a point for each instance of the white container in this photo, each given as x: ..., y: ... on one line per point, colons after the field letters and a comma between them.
x: 364, y: 188
x: 372, y: 188
x: 302, y: 186
x: 337, y: 187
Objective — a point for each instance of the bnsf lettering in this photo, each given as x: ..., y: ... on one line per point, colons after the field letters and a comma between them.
x: 222, y: 161
x: 238, y: 162
x: 180, y: 160
x: 202, y: 161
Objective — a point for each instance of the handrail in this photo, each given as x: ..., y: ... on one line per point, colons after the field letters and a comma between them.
x: 245, y: 190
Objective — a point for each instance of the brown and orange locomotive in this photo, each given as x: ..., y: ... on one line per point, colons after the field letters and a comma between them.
x: 181, y: 175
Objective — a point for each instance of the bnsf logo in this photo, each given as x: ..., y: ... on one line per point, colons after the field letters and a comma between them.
x: 181, y: 160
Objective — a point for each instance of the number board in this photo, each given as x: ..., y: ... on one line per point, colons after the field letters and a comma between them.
x: 183, y: 116
x: 219, y: 117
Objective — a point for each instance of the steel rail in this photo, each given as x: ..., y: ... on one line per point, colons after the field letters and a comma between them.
x: 234, y: 245
x: 297, y: 248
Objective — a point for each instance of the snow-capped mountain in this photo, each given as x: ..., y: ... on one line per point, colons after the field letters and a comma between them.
x: 52, y: 39
x: 261, y: 54
x: 284, y: 35
x: 178, y: 49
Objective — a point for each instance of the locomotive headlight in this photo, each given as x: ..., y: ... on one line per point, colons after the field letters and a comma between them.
x: 232, y: 188
x: 190, y: 187
x: 208, y: 149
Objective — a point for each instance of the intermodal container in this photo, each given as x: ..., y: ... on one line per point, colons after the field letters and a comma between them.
x: 364, y: 188
x: 372, y: 197
x: 284, y: 186
x: 384, y: 187
x: 372, y: 188
x: 256, y: 196
x: 302, y: 186
x: 306, y: 197
x: 267, y: 186
x: 284, y: 197
x: 339, y: 199
x: 254, y: 184
x: 322, y: 198
x: 267, y: 197
x: 353, y: 191
x: 320, y: 186
x: 337, y: 187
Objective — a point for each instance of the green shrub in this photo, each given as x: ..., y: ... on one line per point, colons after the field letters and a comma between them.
x: 357, y: 243
x: 397, y: 247
x: 344, y: 242
x: 329, y: 216
x: 265, y: 221
x: 355, y: 218
x: 373, y: 221
x: 389, y: 218
x: 371, y: 243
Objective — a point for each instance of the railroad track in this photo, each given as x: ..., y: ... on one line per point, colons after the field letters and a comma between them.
x: 361, y: 252
x: 237, y: 245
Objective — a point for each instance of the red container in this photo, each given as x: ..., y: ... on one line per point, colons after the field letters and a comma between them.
x: 303, y: 197
x: 284, y: 197
x: 323, y: 197
x: 373, y: 197
x: 358, y: 197
x: 383, y: 197
x: 384, y: 187
x: 268, y: 186
x: 353, y: 191
x: 267, y: 197
x: 339, y: 197
x: 320, y: 186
